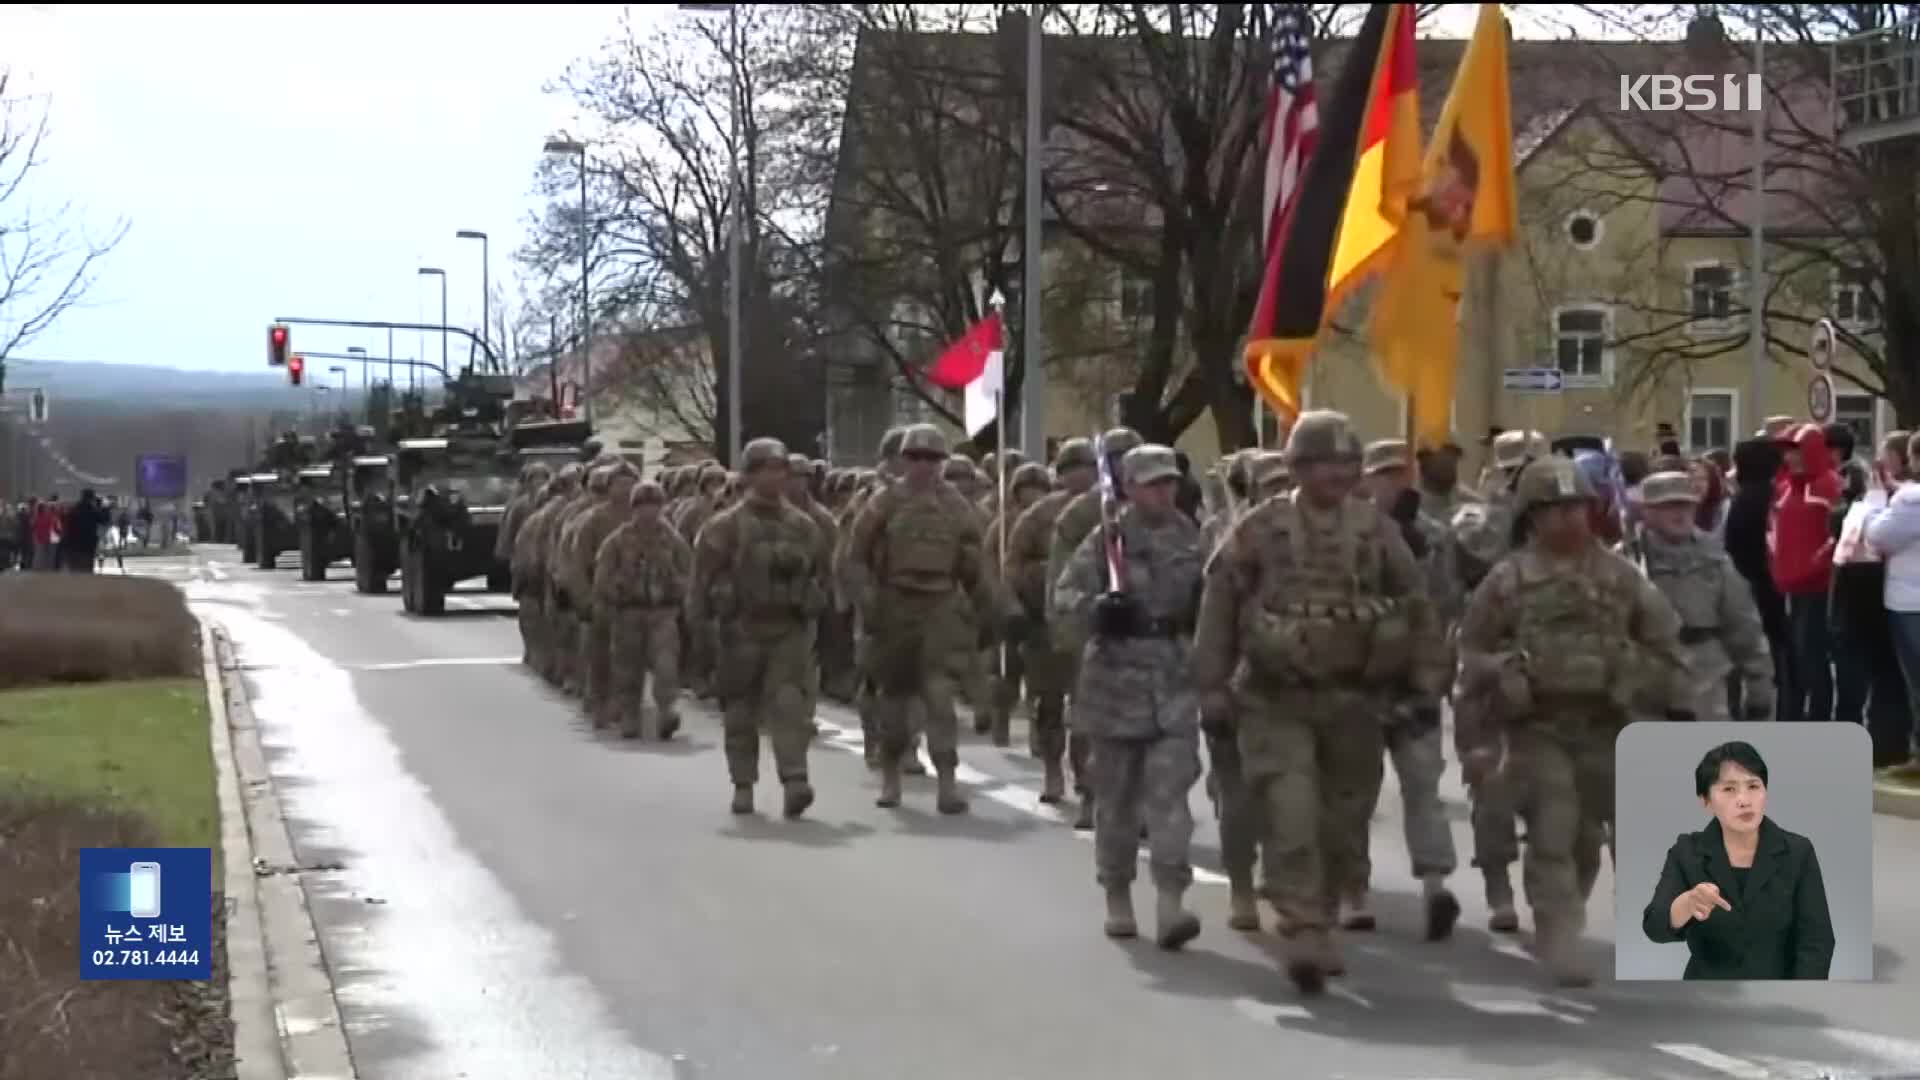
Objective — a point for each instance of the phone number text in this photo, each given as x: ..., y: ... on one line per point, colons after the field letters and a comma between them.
x: 145, y: 957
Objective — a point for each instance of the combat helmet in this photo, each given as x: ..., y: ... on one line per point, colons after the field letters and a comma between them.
x: 923, y: 439
x: 1236, y: 473
x: 1267, y: 472
x: 1549, y: 481
x: 591, y: 448
x: 534, y: 475
x: 712, y: 476
x: 1030, y: 475
x: 567, y: 480
x: 1322, y: 436
x: 600, y: 479
x: 1074, y: 453
x: 645, y: 493
x: 890, y: 444
x: 1011, y: 459
x: 957, y: 470
x: 761, y: 452
x: 1382, y: 455
x: 1120, y: 440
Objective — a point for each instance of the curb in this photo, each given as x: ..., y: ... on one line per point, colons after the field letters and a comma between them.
x: 286, y: 1023
x: 1894, y: 801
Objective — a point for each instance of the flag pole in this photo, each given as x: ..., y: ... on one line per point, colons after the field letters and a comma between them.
x: 1000, y: 473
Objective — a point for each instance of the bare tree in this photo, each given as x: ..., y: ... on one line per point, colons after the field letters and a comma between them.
x: 661, y: 202
x: 47, y: 257
x: 1839, y: 219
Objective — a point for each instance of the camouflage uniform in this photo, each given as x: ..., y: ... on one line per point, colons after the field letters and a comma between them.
x: 1238, y: 821
x: 833, y: 643
x: 526, y: 497
x: 564, y: 606
x: 703, y: 501
x: 1482, y: 535
x: 1024, y: 487
x: 871, y: 481
x: 1050, y: 669
x: 1415, y: 742
x: 1135, y: 697
x: 1719, y: 622
x: 976, y: 688
x: 1551, y: 641
x: 534, y: 575
x: 640, y: 580
x: 760, y: 579
x: 590, y: 530
x: 1315, y: 623
x: 1078, y: 518
x: 914, y: 566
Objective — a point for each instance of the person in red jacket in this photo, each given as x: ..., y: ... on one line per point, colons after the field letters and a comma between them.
x: 46, y: 534
x: 1800, y: 541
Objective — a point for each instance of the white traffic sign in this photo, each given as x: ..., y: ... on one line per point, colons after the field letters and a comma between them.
x: 1539, y: 380
x: 1821, y: 344
x: 1820, y: 398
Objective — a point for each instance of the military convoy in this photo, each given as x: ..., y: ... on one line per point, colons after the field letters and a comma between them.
x: 429, y: 508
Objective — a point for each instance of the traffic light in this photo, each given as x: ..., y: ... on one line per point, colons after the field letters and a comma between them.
x: 279, y: 341
x: 296, y: 369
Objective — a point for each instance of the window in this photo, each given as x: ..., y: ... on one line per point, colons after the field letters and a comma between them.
x: 1583, y: 229
x: 1851, y: 302
x: 1857, y: 412
x: 1580, y: 344
x: 1710, y: 286
x: 1710, y: 420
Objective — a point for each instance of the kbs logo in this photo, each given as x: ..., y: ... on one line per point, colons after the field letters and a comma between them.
x: 1691, y: 93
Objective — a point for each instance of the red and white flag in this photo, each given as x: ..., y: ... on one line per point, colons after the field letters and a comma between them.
x: 974, y: 365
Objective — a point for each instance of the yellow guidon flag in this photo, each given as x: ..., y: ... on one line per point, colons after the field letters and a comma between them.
x: 1352, y: 201
x: 1465, y: 201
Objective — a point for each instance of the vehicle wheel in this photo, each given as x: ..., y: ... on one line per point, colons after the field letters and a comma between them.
x: 432, y: 597
x: 265, y: 557
x: 311, y: 566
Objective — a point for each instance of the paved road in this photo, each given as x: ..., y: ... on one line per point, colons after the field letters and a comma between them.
x: 520, y: 898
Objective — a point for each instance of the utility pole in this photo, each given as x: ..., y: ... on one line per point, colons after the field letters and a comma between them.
x: 1033, y: 385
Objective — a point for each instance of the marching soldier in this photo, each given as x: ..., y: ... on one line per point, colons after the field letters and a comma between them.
x: 586, y: 533
x: 529, y: 569
x: 565, y: 606
x: 526, y: 498
x: 640, y: 581
x: 1135, y: 699
x: 1415, y: 744
x: 888, y: 469
x: 914, y: 565
x: 1550, y: 641
x: 1314, y: 623
x: 1078, y: 518
x: 1049, y: 668
x: 1025, y: 487
x: 1238, y: 821
x: 832, y: 656
x: 761, y: 581
x: 1719, y: 622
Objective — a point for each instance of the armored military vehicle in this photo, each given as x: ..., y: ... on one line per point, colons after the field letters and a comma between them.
x: 320, y: 519
x: 370, y: 498
x: 455, y: 491
x: 274, y: 523
x: 240, y: 515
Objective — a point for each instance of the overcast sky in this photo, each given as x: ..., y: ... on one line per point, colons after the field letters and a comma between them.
x: 297, y: 161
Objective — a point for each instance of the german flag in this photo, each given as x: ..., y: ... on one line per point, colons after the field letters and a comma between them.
x: 1351, y: 204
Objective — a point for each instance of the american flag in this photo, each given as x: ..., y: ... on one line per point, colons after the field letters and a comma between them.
x: 1293, y: 118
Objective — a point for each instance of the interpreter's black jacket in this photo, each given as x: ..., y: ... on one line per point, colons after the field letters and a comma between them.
x: 1779, y: 927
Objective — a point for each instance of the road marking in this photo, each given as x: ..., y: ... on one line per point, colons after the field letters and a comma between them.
x: 1905, y: 1052
x: 438, y: 661
x: 1713, y: 1059
x: 1005, y: 792
x: 1516, y: 1007
x: 1269, y: 1013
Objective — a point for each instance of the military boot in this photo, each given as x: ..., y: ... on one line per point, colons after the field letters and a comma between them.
x: 799, y: 796
x: 1501, y: 917
x: 982, y: 720
x: 1305, y: 959
x: 910, y: 762
x: 1174, y: 925
x: 1243, y: 908
x: 742, y: 798
x: 1354, y: 912
x: 889, y: 783
x: 1053, y: 787
x: 1557, y: 946
x: 947, y: 798
x: 1003, y: 725
x: 669, y: 722
x: 1332, y: 961
x: 1083, y: 821
x: 634, y: 722
x: 1120, y: 922
x: 1442, y: 908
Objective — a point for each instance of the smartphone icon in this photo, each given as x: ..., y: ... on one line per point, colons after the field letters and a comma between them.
x: 143, y: 890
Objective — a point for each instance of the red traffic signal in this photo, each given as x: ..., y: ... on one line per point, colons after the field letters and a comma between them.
x: 279, y: 341
x: 296, y: 369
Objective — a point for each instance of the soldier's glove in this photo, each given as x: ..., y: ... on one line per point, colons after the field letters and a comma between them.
x: 1216, y: 716
x: 1478, y: 765
x: 1755, y: 712
x: 1681, y: 716
x: 1117, y: 615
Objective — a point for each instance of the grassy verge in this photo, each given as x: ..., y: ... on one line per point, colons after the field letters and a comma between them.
x: 115, y: 757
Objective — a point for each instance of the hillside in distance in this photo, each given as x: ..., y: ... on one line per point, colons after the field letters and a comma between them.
x: 137, y: 385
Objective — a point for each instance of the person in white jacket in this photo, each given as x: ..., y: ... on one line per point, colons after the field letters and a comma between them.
x: 1887, y: 523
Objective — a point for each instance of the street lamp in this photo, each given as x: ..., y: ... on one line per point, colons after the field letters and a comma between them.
x: 361, y: 353
x: 736, y: 200
x: 342, y: 372
x: 434, y: 271
x: 576, y: 148
x: 485, y: 286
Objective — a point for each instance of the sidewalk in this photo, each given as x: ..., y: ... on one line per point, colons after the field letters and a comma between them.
x: 1898, y: 796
